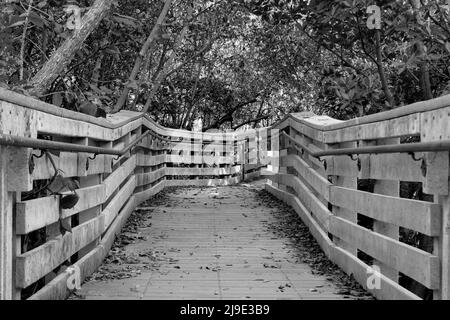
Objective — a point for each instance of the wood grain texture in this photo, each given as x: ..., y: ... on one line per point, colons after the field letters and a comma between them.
x: 348, y: 262
x: 416, y: 215
x: 221, y: 250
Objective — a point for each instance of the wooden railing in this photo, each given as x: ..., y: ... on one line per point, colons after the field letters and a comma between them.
x: 47, y: 246
x: 383, y: 218
x: 369, y: 212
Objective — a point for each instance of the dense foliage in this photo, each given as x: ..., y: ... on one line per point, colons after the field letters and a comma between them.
x: 238, y: 63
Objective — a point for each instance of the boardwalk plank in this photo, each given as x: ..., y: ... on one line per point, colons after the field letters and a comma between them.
x: 221, y: 250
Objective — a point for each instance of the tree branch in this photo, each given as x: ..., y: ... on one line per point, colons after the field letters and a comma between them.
x: 229, y: 114
x: 145, y: 48
x: 163, y: 74
x: 252, y: 120
x: 361, y: 39
x: 387, y: 92
x: 62, y: 57
x: 24, y: 35
x: 345, y: 61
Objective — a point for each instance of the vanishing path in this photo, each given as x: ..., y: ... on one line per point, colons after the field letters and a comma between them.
x: 217, y: 243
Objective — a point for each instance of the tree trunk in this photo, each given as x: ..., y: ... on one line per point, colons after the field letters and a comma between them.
x: 137, y: 64
x: 24, y: 34
x: 96, y: 73
x: 62, y: 57
x: 384, y: 84
x: 169, y: 62
x: 187, y: 116
x: 425, y: 83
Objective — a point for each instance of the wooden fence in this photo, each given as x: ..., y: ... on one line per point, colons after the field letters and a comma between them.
x: 369, y: 213
x: 38, y: 257
x: 383, y: 218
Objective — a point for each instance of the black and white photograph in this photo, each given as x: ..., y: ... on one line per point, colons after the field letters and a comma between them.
x: 229, y: 159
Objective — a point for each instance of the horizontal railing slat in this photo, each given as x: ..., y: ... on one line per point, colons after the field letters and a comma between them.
x: 35, y: 264
x: 415, y: 263
x: 421, y: 216
x: 349, y: 263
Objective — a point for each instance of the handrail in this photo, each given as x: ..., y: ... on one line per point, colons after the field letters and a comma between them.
x: 417, y: 107
x: 10, y: 140
x: 443, y: 145
x: 33, y: 103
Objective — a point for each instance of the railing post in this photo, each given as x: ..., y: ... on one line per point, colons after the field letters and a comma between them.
x: 15, y: 176
x: 243, y: 152
x: 6, y: 230
x: 389, y: 188
x: 346, y: 180
x: 274, y: 154
x: 434, y: 127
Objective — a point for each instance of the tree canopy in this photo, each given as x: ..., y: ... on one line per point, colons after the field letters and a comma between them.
x: 232, y: 64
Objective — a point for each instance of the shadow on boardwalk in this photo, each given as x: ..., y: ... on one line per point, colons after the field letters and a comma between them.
x: 233, y: 242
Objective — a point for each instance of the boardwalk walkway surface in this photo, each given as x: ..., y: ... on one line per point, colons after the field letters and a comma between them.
x: 232, y: 242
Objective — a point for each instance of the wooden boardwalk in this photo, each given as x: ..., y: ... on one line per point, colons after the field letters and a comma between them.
x: 207, y: 243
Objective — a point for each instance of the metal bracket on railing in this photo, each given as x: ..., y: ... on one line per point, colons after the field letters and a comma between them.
x: 423, y: 165
x: 90, y: 158
x: 324, y: 161
x: 31, y: 163
x: 40, y: 155
x: 356, y: 159
x: 413, y: 155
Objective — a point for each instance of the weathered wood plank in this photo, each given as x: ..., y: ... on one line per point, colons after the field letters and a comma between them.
x: 395, y: 166
x: 57, y: 288
x: 19, y: 122
x: 437, y: 172
x: 417, y: 264
x: 316, y: 230
x: 388, y: 290
x: 421, y: 216
x: 403, y: 126
x: 146, y: 194
x: 67, y: 162
x: 146, y: 160
x: 349, y: 263
x: 34, y: 264
x: 41, y: 212
x: 119, y: 175
x: 306, y: 129
x: 113, y: 207
x: 89, y: 198
x: 35, y: 214
x: 7, y: 288
x: 435, y: 127
x: 197, y: 171
x: 314, y: 179
x: 418, y: 107
x: 307, y: 198
x: 342, y: 166
x: 203, y: 182
x: 55, y: 125
x: 150, y: 177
